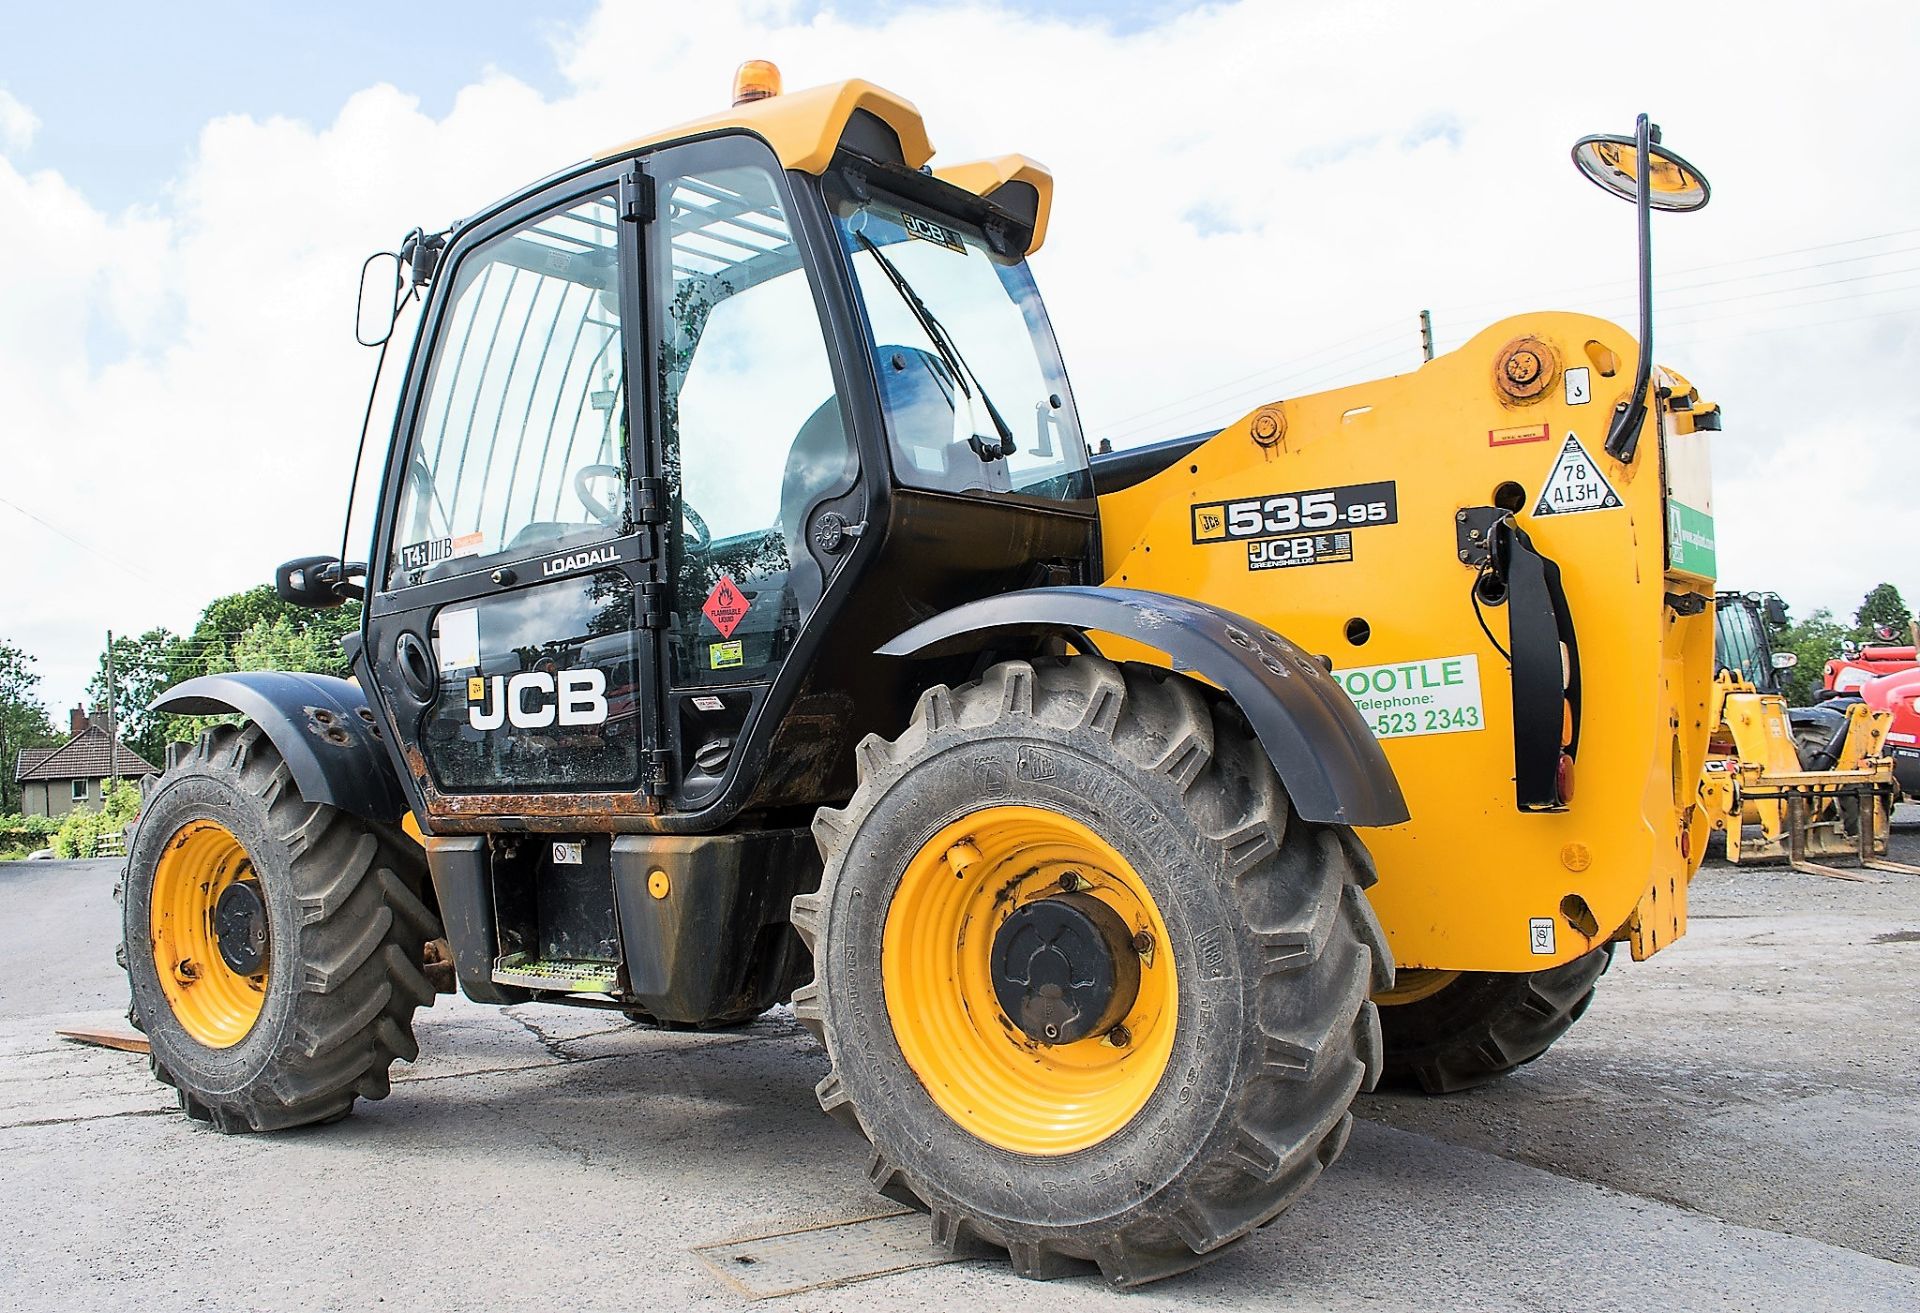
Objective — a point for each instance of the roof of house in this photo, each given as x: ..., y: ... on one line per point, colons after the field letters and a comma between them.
x: 82, y: 757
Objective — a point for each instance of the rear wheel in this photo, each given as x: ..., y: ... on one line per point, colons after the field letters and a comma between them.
x: 1452, y: 1030
x: 1088, y: 987
x: 273, y: 946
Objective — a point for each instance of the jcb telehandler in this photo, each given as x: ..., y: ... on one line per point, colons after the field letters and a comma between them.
x: 745, y: 621
x: 1809, y: 782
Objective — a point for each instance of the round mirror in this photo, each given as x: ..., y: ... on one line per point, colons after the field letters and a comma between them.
x: 1611, y: 162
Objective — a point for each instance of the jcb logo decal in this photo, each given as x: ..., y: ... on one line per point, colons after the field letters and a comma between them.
x: 536, y: 699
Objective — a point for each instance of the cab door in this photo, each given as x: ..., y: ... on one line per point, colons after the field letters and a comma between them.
x: 760, y: 473
x: 509, y: 628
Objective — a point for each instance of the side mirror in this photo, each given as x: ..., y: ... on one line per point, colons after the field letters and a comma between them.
x: 1774, y: 609
x: 319, y: 582
x: 1641, y: 170
x: 1613, y: 164
x: 1785, y: 660
x: 380, y: 284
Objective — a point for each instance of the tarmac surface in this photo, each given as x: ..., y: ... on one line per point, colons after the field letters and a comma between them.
x: 1734, y: 1125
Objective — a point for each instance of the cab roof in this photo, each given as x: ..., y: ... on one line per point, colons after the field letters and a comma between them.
x: 804, y: 128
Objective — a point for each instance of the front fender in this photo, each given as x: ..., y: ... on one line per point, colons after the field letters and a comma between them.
x: 1332, y: 766
x: 316, y: 721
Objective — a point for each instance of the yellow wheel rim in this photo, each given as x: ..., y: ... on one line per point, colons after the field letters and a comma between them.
x: 214, y: 1003
x: 974, y: 1061
x: 1411, y: 984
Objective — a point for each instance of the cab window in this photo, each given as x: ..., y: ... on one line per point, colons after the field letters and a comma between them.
x: 521, y: 444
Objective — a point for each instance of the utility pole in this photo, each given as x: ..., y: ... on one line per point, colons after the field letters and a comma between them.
x: 1426, y: 335
x: 113, y: 729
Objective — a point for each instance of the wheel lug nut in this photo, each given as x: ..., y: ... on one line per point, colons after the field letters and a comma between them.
x: 1120, y: 1037
x: 1071, y: 881
x: 1051, y: 1031
x: 1143, y: 943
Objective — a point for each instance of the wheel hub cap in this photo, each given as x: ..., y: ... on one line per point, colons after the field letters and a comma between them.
x: 1064, y: 968
x: 240, y: 927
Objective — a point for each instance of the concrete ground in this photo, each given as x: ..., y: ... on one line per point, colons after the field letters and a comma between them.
x: 1733, y: 1125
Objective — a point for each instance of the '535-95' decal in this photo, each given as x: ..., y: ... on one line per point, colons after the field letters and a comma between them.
x: 1354, y: 506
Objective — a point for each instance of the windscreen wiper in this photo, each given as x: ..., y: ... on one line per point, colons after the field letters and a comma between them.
x: 963, y: 376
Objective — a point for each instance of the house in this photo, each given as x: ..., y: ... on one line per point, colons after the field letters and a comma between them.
x: 54, y: 781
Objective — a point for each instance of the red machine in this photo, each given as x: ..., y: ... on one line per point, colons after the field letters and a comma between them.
x: 1849, y: 670
x: 1886, y: 679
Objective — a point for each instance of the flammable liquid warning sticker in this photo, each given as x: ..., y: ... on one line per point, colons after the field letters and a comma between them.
x: 1576, y: 484
x: 725, y: 606
x: 1349, y: 507
x: 1440, y: 695
x: 1308, y: 549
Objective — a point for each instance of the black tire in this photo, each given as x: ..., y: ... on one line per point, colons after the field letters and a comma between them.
x: 346, y: 925
x: 1281, y: 951
x: 1811, y: 742
x: 1485, y: 1023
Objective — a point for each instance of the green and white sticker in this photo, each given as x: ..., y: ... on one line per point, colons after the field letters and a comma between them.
x: 1440, y: 695
x: 1690, y: 544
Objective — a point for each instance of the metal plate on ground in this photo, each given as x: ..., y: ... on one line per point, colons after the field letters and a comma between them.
x: 829, y: 1254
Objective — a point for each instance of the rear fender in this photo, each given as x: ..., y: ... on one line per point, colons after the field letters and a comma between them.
x: 322, y: 727
x: 1332, y: 766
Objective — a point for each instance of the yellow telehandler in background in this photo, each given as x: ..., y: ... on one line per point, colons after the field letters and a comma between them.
x: 1810, y: 782
x: 746, y: 621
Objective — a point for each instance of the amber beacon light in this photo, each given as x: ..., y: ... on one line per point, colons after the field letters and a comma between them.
x: 757, y: 79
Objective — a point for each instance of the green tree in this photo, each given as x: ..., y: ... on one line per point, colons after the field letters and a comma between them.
x: 144, y: 667
x: 249, y: 630
x: 276, y: 645
x: 23, y: 719
x: 1883, y: 617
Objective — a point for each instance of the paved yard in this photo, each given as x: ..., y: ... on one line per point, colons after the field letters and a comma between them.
x: 1735, y: 1124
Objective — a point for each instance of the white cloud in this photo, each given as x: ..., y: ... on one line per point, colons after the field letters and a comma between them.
x: 1252, y: 185
x: 18, y: 124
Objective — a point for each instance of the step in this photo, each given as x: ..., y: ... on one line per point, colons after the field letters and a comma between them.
x: 557, y: 975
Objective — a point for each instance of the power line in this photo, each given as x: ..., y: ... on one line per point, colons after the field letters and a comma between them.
x: 83, y: 546
x: 1229, y: 392
x: 1798, y: 328
x: 1123, y: 422
x: 1506, y: 299
x: 1788, y: 291
x: 1304, y: 381
x: 1790, y: 305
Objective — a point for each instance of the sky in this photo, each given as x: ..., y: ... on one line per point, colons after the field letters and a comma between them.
x: 1254, y: 201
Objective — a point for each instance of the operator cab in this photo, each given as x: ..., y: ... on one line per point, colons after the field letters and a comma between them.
x: 687, y: 433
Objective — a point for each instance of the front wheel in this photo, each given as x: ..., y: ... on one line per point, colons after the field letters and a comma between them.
x: 1090, y: 989
x: 273, y: 946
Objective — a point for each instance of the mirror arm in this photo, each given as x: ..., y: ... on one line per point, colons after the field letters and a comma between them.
x: 1623, y: 437
x: 340, y: 576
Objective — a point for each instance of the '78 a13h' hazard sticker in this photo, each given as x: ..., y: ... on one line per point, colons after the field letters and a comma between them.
x: 1576, y: 484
